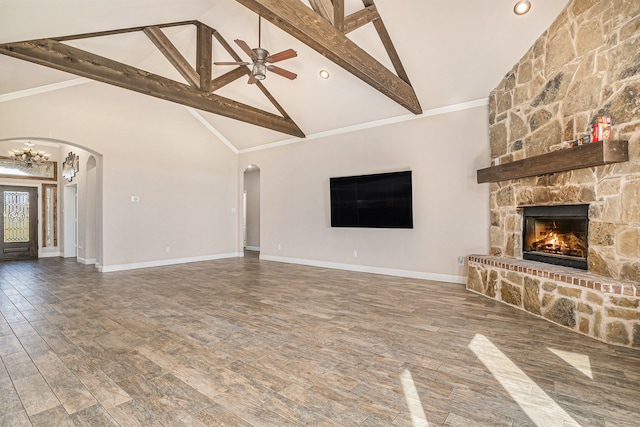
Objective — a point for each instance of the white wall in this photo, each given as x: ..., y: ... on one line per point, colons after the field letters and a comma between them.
x: 185, y: 178
x: 450, y: 208
x: 188, y: 183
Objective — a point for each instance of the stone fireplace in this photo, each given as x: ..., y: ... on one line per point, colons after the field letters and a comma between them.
x: 584, y: 66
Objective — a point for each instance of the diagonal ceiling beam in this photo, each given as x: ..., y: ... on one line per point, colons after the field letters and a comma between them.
x: 360, y: 18
x: 310, y: 28
x: 388, y: 44
x: 174, y: 56
x: 53, y: 54
x: 229, y: 77
x: 324, y: 8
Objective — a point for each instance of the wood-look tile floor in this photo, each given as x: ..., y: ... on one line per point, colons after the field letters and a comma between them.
x: 243, y: 342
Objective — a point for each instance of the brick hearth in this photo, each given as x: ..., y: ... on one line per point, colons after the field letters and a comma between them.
x: 603, y: 308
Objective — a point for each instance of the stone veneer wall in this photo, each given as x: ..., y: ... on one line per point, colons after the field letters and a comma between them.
x: 585, y: 65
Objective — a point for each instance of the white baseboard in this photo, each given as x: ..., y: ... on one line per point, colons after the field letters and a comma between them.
x: 368, y: 269
x: 86, y: 261
x: 49, y: 254
x: 165, y: 262
x: 253, y: 248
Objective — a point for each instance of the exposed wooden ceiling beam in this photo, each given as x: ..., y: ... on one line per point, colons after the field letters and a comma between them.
x: 51, y: 53
x: 388, y: 45
x: 204, y: 55
x: 360, y: 18
x: 310, y: 28
x: 120, y: 31
x: 228, y: 77
x: 174, y: 56
x: 324, y: 8
x: 338, y: 15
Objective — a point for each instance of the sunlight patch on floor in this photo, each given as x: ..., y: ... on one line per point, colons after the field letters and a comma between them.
x: 418, y: 417
x: 579, y: 361
x: 538, y: 406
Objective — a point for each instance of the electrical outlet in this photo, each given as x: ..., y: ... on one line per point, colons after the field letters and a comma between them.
x: 461, y: 261
x: 279, y: 247
x: 355, y: 254
x: 167, y: 249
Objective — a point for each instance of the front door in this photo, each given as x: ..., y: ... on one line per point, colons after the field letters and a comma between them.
x: 19, y: 227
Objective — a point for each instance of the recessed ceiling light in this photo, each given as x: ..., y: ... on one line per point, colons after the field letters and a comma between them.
x: 522, y: 7
x: 324, y: 74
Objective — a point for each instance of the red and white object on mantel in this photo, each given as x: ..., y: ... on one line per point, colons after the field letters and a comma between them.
x: 602, y: 129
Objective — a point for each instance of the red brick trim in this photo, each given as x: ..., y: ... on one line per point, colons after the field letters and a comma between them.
x: 560, y: 274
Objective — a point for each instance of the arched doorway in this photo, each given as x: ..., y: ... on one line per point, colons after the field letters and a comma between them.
x: 70, y: 205
x: 251, y: 209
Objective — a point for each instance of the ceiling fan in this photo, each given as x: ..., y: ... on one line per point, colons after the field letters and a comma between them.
x: 262, y: 61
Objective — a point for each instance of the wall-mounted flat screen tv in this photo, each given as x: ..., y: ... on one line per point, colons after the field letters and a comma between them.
x: 372, y: 201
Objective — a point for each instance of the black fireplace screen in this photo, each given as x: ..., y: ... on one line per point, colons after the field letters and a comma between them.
x: 556, y: 235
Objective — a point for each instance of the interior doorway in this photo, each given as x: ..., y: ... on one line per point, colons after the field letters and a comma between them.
x: 251, y: 209
x: 19, y: 227
x: 70, y: 221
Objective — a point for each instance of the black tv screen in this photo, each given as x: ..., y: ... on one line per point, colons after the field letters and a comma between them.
x: 373, y: 201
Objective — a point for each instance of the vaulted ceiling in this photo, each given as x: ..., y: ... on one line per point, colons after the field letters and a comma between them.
x: 420, y: 55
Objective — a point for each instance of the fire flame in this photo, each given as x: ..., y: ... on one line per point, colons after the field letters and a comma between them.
x: 556, y: 243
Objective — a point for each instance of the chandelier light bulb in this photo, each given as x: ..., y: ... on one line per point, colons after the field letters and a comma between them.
x: 28, y: 155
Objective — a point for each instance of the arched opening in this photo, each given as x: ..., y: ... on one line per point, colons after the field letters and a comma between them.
x: 69, y: 205
x: 251, y: 210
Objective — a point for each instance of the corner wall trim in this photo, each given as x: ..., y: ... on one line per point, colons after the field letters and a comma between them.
x: 165, y: 262
x: 43, y: 89
x: 368, y: 269
x: 212, y: 129
x: 376, y: 123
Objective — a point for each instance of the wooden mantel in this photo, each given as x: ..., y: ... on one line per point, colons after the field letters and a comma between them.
x: 583, y: 156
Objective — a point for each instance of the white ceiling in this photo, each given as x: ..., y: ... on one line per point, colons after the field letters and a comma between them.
x: 454, y: 51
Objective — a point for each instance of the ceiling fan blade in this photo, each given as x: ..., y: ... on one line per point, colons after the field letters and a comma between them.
x: 281, y: 56
x: 245, y: 47
x: 282, y: 72
x: 252, y: 80
x: 231, y: 63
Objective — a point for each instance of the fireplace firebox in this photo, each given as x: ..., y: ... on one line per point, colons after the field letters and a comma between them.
x: 556, y: 235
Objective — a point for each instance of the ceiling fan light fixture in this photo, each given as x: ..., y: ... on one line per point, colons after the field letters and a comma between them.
x: 522, y: 7
x: 324, y: 74
x: 259, y: 71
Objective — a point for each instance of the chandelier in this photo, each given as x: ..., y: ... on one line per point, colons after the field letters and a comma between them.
x: 28, y: 155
